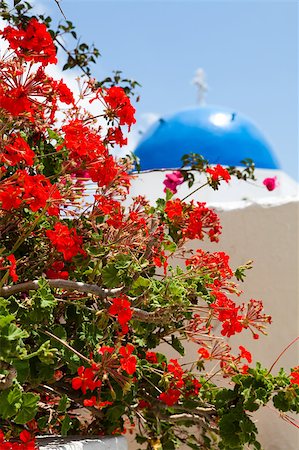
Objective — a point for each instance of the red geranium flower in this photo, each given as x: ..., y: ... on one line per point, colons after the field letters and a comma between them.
x: 204, y: 353
x: 66, y: 241
x: 218, y: 172
x: 245, y: 354
x: 11, y: 268
x: 85, y: 380
x: 174, y: 209
x: 128, y: 361
x: 120, y: 103
x: 294, y: 376
x: 56, y: 271
x: 151, y: 357
x: 17, y: 151
x: 96, y: 403
x: 170, y: 397
x: 121, y: 307
x: 33, y: 43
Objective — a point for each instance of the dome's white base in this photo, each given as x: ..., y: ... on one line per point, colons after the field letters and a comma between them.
x: 150, y: 184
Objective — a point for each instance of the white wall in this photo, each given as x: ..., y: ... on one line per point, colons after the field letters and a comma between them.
x: 269, y: 236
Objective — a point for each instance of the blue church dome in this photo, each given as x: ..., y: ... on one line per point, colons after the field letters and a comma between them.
x: 221, y: 135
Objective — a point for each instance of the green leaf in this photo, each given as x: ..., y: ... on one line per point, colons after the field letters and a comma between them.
x: 10, y: 402
x: 28, y: 409
x: 281, y: 402
x: 42, y: 303
x: 177, y: 345
x: 63, y: 403
x: 110, y: 276
x: 22, y: 368
x: 5, y: 320
x: 14, y: 396
x: 115, y: 412
x: 15, y: 333
x: 139, y: 286
x: 60, y: 332
x: 3, y: 305
x: 123, y: 261
x: 66, y: 425
x: 170, y: 246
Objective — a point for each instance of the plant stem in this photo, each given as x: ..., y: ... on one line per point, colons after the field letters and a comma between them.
x: 280, y: 354
x: 65, y: 344
x: 67, y: 285
x: 195, y: 190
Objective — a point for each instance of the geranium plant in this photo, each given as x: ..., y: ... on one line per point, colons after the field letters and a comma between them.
x: 89, y: 287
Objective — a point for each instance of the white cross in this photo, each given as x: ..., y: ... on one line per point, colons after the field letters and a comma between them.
x: 200, y: 82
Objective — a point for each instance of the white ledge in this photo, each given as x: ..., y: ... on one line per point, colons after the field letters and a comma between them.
x: 80, y: 443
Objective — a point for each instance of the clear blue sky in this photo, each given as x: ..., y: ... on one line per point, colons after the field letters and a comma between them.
x: 248, y: 49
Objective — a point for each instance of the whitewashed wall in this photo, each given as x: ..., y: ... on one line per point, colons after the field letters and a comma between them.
x: 265, y: 231
x: 269, y: 236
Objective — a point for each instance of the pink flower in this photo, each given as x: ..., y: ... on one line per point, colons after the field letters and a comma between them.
x: 173, y: 180
x: 271, y: 183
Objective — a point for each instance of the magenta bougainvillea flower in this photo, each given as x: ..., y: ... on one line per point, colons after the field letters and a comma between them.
x: 271, y: 183
x: 173, y: 180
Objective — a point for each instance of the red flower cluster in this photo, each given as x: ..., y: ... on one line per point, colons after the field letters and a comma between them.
x: 193, y: 220
x: 103, y: 172
x: 33, y: 43
x: 86, y: 380
x: 118, y: 101
x: 128, y: 361
x: 11, y: 268
x: 204, y: 353
x: 121, y: 308
x: 35, y: 191
x: 64, y: 93
x: 228, y: 313
x: 105, y: 349
x: 294, y: 376
x: 170, y: 397
x: 96, y: 402
x: 27, y: 442
x: 174, y: 209
x: 202, y: 221
x: 177, y: 372
x: 160, y: 259
x: 235, y: 318
x: 115, y: 136
x: 173, y: 393
x: 66, y: 241
x: 216, y: 264
x: 32, y: 95
x: 17, y: 151
x: 89, y: 152
x: 84, y: 144
x: 245, y: 354
x: 151, y: 357
x: 143, y: 404
x: 218, y: 173
x: 253, y: 316
x: 57, y: 271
